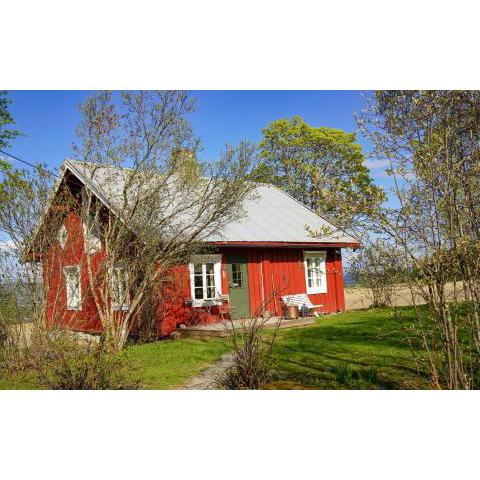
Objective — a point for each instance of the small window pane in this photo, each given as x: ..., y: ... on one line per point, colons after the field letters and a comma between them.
x: 198, y: 293
x: 198, y: 281
x: 209, y: 268
x: 197, y: 268
x: 211, y: 292
x: 237, y: 278
x: 210, y: 278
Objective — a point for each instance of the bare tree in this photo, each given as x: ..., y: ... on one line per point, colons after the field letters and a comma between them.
x: 377, y: 267
x: 24, y: 197
x: 432, y: 141
x: 253, y: 360
x: 162, y: 201
x: 146, y: 205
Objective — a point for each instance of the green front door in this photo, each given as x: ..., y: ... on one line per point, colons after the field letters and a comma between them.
x: 238, y: 285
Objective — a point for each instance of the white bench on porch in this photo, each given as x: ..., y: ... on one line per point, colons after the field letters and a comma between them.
x: 299, y: 300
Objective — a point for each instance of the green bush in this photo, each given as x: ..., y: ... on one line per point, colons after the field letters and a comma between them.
x: 86, y: 371
x: 3, y: 332
x: 66, y: 364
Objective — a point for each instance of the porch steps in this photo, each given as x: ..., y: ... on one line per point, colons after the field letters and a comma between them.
x: 223, y: 329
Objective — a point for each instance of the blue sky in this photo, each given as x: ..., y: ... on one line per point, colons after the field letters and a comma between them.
x: 48, y: 118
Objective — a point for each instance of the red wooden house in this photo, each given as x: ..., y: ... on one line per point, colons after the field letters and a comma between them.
x: 255, y: 261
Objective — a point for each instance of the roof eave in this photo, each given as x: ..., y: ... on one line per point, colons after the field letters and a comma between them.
x: 286, y: 244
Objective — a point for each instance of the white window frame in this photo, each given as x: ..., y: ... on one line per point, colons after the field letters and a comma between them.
x: 217, y: 271
x: 322, y: 287
x: 122, y: 301
x: 74, y: 299
x: 93, y: 235
x: 62, y: 236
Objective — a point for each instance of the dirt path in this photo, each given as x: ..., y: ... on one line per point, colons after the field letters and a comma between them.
x: 207, y: 380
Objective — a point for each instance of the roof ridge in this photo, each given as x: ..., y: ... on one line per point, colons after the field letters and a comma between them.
x: 290, y: 230
x: 91, y: 183
x: 85, y: 163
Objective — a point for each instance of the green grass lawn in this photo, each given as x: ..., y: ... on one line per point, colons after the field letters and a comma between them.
x: 19, y: 381
x: 358, y: 349
x: 361, y: 349
x: 160, y: 365
x: 169, y: 364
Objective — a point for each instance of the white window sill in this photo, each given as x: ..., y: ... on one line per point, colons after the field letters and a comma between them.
x: 206, y: 303
x: 316, y: 290
x: 73, y: 309
x: 124, y: 308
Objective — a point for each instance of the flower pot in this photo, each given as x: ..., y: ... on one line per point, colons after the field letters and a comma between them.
x: 291, y: 312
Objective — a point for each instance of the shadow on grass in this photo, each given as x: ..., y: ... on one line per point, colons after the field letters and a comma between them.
x: 356, y: 350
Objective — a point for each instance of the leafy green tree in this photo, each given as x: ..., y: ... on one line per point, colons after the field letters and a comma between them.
x: 6, y: 134
x: 321, y: 167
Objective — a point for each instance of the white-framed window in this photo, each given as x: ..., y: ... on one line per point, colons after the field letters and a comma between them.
x: 91, y: 235
x: 119, y: 291
x: 206, y: 279
x: 74, y: 290
x: 315, y: 272
x: 62, y: 236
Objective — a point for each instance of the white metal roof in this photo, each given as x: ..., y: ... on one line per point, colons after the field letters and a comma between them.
x: 275, y: 216
x: 271, y: 215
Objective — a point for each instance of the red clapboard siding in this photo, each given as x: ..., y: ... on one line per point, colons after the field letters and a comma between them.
x: 54, y: 281
x: 272, y: 272
x: 275, y: 272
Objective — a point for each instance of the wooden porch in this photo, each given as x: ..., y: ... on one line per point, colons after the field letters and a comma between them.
x: 223, y: 329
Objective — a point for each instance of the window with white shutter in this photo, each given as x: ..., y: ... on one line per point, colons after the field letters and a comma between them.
x: 73, y: 290
x: 62, y: 236
x: 91, y: 235
x: 119, y: 292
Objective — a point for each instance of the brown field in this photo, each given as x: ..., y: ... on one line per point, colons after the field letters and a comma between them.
x: 357, y: 297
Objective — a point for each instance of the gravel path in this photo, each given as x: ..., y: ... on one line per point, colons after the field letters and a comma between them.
x: 207, y: 380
